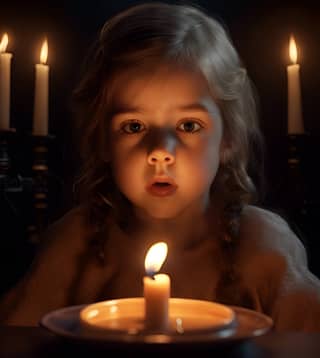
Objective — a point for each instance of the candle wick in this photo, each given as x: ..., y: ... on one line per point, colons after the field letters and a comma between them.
x: 151, y: 274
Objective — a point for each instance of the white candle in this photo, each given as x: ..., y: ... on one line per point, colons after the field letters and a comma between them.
x: 5, y: 74
x: 40, y: 114
x: 156, y: 289
x: 295, y: 122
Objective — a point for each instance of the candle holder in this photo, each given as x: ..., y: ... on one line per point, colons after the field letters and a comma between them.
x: 290, y: 191
x: 300, y: 197
x: 25, y: 195
x: 6, y: 136
x: 302, y: 193
x: 296, y: 170
x: 120, y: 323
x: 11, y: 182
x: 40, y: 180
x: 127, y: 316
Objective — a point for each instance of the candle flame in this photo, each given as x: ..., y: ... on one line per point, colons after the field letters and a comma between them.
x: 4, y: 43
x: 155, y: 257
x: 44, y: 52
x: 293, y: 52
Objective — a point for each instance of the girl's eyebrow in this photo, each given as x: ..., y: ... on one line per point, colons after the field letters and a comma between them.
x: 127, y: 109
x: 194, y: 107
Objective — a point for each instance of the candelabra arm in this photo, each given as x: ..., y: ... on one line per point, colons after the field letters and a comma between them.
x: 40, y: 182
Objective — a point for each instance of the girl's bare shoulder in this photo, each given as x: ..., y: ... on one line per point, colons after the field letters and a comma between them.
x: 70, y: 232
x: 266, y: 234
x: 266, y: 229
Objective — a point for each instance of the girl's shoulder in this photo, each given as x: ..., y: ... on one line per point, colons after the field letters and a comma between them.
x: 267, y: 229
x: 266, y: 234
x: 70, y: 232
x: 48, y: 283
x: 73, y: 220
x: 273, y: 263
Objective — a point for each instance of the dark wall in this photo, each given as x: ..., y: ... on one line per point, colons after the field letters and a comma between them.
x: 260, y: 31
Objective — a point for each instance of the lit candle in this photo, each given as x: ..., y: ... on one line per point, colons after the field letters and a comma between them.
x: 295, y: 122
x: 156, y: 289
x: 5, y: 67
x: 40, y: 115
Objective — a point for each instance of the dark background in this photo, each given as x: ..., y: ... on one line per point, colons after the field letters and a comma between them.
x: 260, y: 32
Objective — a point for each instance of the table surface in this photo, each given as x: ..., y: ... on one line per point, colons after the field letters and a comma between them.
x: 38, y: 342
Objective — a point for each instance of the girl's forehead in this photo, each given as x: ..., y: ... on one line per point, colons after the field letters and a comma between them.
x: 138, y: 82
x: 162, y: 89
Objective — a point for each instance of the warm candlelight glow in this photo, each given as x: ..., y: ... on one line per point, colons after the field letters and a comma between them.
x: 4, y: 43
x: 155, y: 257
x: 293, y: 52
x: 44, y: 52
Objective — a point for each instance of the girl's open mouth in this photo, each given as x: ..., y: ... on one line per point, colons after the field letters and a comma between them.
x: 162, y: 188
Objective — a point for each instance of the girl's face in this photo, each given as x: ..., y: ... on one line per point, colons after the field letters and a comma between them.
x: 165, y: 141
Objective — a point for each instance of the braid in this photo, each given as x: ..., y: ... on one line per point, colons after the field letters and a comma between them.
x: 232, y: 199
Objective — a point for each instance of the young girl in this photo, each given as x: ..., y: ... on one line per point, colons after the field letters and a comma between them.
x: 168, y: 126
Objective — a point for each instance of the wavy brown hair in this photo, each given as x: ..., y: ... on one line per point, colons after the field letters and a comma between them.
x: 183, y: 35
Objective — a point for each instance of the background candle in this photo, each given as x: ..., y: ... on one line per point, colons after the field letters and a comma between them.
x: 295, y: 122
x: 156, y: 289
x: 5, y: 74
x: 41, y: 96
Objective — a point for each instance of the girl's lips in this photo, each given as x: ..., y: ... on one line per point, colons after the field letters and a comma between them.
x: 162, y: 187
x: 157, y: 190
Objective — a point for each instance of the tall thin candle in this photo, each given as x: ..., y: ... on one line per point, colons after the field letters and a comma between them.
x: 295, y: 121
x: 5, y: 79
x: 41, y: 96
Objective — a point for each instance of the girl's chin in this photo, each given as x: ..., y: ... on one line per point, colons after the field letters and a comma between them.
x: 158, y: 214
x: 170, y: 210
x: 164, y: 216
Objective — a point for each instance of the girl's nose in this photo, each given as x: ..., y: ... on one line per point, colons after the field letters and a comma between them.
x: 160, y: 156
x: 162, y: 148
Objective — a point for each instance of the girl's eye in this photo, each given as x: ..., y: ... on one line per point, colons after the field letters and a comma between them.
x: 132, y: 127
x: 189, y: 126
